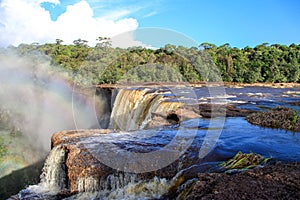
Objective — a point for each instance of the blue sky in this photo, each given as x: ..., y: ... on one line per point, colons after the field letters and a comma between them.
x: 237, y: 22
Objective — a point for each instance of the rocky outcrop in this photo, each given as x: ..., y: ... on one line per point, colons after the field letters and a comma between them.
x: 216, y: 110
x: 72, y: 137
x: 84, y: 166
x: 271, y: 182
x: 139, y: 107
x: 81, y: 153
x: 79, y: 161
x: 280, y: 117
x: 172, y: 117
x: 196, y: 111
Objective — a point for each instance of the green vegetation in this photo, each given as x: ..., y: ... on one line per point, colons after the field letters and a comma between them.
x: 244, y: 161
x: 3, y: 148
x: 104, y: 64
x: 295, y: 117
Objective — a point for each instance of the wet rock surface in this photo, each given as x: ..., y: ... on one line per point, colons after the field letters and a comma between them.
x: 84, y: 170
x: 79, y: 161
x: 80, y: 154
x: 280, y: 117
x: 281, y: 181
x: 211, y: 110
x: 196, y: 111
x: 84, y: 148
x: 71, y: 137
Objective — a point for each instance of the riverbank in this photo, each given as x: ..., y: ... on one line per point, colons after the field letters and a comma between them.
x: 280, y: 117
x: 280, y: 181
x: 201, y: 84
x: 272, y: 85
x: 81, y: 152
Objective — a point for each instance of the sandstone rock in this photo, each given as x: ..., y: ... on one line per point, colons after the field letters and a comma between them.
x: 196, y: 111
x: 85, y: 169
x: 79, y: 161
x: 73, y: 136
x: 207, y: 110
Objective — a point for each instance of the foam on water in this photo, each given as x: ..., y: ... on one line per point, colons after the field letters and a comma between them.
x: 53, y: 178
x: 117, y: 187
x: 133, y: 108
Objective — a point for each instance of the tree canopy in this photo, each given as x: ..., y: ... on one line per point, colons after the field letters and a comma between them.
x: 105, y: 64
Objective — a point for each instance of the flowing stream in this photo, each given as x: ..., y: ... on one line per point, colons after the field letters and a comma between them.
x: 132, y: 110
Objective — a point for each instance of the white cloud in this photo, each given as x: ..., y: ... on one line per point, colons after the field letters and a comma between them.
x: 126, y: 40
x: 25, y: 21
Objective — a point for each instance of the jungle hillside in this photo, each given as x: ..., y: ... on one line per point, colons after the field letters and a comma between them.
x: 264, y: 63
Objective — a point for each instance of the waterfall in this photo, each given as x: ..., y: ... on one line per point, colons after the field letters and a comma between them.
x: 111, y: 183
x: 150, y: 189
x: 122, y: 186
x: 53, y: 178
x: 54, y: 172
x: 114, y: 186
x: 133, y: 108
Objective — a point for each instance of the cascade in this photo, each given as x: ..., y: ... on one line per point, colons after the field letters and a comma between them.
x: 53, y: 178
x: 123, y: 186
x: 112, y: 182
x: 143, y: 189
x: 54, y: 172
x: 133, y: 108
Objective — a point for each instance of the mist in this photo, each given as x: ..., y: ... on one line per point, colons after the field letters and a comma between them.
x: 40, y: 100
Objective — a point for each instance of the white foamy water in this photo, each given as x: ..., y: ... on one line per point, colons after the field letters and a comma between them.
x: 54, y: 177
x: 116, y: 188
x: 133, y: 108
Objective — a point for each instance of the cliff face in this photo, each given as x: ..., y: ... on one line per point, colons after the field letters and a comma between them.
x: 155, y: 148
x: 89, y: 157
x: 75, y: 168
x: 85, y: 168
x: 79, y: 161
x: 134, y: 108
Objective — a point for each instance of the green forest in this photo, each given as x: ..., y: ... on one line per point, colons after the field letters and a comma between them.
x: 207, y: 62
